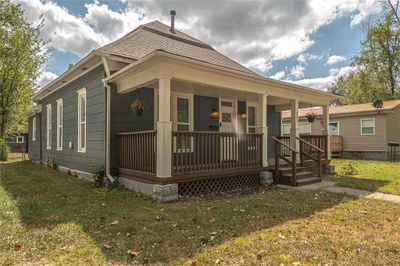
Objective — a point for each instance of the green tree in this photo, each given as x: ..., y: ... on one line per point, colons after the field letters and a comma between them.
x: 22, y: 56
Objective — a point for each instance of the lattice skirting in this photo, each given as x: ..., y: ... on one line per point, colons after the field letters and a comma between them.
x: 219, y: 185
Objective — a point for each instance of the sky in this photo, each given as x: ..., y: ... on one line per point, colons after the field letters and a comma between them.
x: 310, y: 43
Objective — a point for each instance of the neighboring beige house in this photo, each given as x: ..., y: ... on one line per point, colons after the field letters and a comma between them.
x: 364, y: 130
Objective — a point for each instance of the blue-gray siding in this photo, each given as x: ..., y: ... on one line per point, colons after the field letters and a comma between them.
x: 202, y: 108
x: 274, y: 128
x: 95, y: 119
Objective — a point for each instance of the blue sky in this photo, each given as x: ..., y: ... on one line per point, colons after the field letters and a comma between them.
x: 306, y: 42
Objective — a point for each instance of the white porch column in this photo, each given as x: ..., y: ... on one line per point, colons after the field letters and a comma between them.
x: 294, y: 128
x: 325, y: 130
x: 164, y: 127
x: 263, y: 126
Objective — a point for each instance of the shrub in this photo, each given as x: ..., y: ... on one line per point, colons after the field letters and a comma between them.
x: 99, y: 173
x: 348, y: 168
x: 4, y: 150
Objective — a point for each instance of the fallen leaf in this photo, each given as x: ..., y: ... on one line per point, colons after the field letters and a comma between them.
x: 107, y: 246
x: 18, y: 245
x: 194, y: 220
x: 133, y: 253
x: 194, y: 263
x: 158, y: 218
x: 115, y: 222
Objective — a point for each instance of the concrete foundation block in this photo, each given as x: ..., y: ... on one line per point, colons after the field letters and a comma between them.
x: 330, y: 169
x: 266, y: 178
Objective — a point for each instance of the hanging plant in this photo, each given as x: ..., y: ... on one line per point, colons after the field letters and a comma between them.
x: 138, y: 106
x: 311, y: 117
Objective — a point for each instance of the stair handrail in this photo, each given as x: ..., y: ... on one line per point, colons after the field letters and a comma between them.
x: 278, y: 155
x: 303, y: 153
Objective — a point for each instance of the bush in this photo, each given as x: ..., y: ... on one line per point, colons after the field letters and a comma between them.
x: 348, y: 168
x: 4, y: 150
x: 99, y: 174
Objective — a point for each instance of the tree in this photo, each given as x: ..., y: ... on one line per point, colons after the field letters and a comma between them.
x: 376, y: 73
x: 22, y: 56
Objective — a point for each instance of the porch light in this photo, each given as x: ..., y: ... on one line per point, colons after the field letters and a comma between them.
x: 243, y: 115
x: 214, y: 113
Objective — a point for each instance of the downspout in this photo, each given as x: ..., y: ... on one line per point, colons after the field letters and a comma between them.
x: 108, y: 120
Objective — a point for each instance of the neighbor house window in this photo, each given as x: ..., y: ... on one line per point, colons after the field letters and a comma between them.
x: 304, y: 128
x: 49, y: 132
x: 60, y: 118
x: 20, y: 139
x: 34, y: 128
x: 334, y: 128
x: 82, y: 120
x: 251, y: 119
x: 368, y: 126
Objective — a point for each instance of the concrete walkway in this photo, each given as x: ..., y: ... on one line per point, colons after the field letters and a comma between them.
x: 330, y: 186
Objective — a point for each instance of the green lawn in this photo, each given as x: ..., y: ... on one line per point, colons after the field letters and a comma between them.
x: 371, y: 175
x: 50, y: 218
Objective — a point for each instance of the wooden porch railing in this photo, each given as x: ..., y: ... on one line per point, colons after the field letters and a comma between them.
x: 137, y: 151
x: 194, y: 151
x: 308, y: 150
x: 280, y: 148
x: 319, y: 141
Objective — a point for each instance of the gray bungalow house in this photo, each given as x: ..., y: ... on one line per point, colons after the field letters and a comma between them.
x: 169, y: 115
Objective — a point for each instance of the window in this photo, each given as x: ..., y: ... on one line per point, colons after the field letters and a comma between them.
x: 183, y: 121
x: 60, y: 118
x: 334, y: 128
x: 304, y: 128
x: 368, y: 126
x: 20, y: 139
x: 34, y: 128
x: 49, y: 132
x: 251, y: 119
x: 82, y: 120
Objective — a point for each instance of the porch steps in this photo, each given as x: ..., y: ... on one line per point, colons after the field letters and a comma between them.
x: 303, y: 177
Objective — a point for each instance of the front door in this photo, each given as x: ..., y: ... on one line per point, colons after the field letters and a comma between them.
x: 229, y: 142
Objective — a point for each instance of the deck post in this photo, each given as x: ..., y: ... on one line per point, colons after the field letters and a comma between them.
x: 325, y: 131
x: 294, y: 128
x: 164, y: 128
x: 262, y: 126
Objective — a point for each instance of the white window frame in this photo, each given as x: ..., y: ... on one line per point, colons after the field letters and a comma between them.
x: 80, y: 147
x: 48, y: 126
x: 34, y: 128
x: 189, y: 97
x: 361, y: 127
x: 255, y: 116
x: 300, y: 123
x: 60, y: 124
x: 338, y: 127
x: 17, y: 140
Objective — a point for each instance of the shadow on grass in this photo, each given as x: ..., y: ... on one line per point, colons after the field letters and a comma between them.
x: 361, y: 183
x: 159, y: 232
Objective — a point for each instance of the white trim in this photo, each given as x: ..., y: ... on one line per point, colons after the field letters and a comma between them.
x: 34, y: 128
x: 338, y: 127
x: 81, y: 147
x: 60, y: 124
x: 189, y: 97
x: 361, y: 126
x: 49, y: 131
x: 19, y: 141
x: 252, y: 104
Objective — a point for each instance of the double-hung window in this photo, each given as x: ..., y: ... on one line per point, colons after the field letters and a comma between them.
x: 34, y: 128
x: 334, y: 128
x: 304, y: 128
x: 368, y: 126
x: 49, y: 129
x: 251, y: 119
x: 82, y: 120
x: 60, y: 118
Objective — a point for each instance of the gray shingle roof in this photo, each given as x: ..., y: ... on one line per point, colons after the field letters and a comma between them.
x: 155, y: 35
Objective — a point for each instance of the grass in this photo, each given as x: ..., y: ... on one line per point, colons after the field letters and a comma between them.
x: 371, y: 175
x: 47, y: 217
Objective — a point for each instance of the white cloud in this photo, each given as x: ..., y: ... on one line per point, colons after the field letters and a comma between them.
x: 297, y: 71
x: 261, y: 32
x: 334, y: 59
x: 322, y: 83
x: 46, y: 77
x: 278, y: 75
x: 304, y: 58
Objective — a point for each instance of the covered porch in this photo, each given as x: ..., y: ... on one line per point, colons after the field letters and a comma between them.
x: 209, y: 123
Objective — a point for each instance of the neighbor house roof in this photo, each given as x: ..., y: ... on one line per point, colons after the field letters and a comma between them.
x: 155, y: 36
x: 346, y: 109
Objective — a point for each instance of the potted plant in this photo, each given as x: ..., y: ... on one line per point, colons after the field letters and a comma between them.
x: 311, y: 117
x: 99, y: 173
x: 138, y: 107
